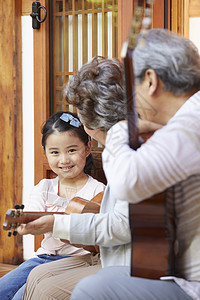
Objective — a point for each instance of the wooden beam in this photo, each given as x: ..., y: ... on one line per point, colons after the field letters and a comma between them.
x: 124, y: 21
x: 158, y: 14
x: 26, y: 7
x: 194, y: 8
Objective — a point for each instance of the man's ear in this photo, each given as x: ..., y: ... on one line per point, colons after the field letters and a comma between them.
x: 152, y: 81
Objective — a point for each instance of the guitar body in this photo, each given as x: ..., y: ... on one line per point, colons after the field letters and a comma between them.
x: 79, y: 205
x: 152, y: 234
x: 152, y: 243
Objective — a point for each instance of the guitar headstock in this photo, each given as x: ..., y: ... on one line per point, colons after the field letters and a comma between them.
x: 12, y: 219
x: 142, y: 20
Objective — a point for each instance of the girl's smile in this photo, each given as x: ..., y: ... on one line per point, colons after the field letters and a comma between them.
x: 66, y: 155
x: 67, y: 169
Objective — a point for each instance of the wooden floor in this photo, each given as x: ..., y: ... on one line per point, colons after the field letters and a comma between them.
x: 5, y: 268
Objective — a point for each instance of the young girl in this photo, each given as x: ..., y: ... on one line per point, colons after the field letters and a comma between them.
x: 67, y: 147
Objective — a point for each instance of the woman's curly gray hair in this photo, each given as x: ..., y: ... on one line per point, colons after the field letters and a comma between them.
x: 97, y: 91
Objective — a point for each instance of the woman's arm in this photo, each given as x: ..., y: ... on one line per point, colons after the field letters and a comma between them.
x: 105, y: 229
x: 108, y: 228
x: 40, y: 226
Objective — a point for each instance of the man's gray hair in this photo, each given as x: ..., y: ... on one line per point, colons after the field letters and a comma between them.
x: 175, y: 60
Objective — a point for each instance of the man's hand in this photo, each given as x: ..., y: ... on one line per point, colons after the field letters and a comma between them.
x: 145, y: 126
x: 42, y: 225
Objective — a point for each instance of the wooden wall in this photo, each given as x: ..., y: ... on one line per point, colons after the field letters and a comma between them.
x: 10, y: 123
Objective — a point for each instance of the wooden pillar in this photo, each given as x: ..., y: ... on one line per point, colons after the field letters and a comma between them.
x: 180, y: 16
x: 124, y: 21
x: 10, y: 123
x: 41, y: 89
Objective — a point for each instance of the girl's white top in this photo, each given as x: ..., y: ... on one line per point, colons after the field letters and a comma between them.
x: 44, y: 198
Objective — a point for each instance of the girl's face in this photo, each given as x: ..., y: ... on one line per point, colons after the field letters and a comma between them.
x: 66, y: 154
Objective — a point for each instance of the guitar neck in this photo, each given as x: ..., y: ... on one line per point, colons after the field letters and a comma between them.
x: 24, y: 217
x: 31, y: 216
x: 132, y: 114
x: 131, y: 101
x: 77, y: 205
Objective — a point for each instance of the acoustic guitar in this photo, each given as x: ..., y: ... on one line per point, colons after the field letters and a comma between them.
x: 15, y: 217
x: 152, y: 241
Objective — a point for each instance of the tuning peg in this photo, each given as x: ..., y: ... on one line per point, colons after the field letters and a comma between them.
x: 14, y: 232
x: 10, y: 233
x: 21, y: 206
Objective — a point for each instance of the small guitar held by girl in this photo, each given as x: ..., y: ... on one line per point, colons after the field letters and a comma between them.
x: 68, y: 150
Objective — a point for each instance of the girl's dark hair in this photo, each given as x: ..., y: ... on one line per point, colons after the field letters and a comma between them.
x: 54, y: 123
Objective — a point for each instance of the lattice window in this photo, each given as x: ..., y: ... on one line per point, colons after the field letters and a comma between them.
x: 81, y: 30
